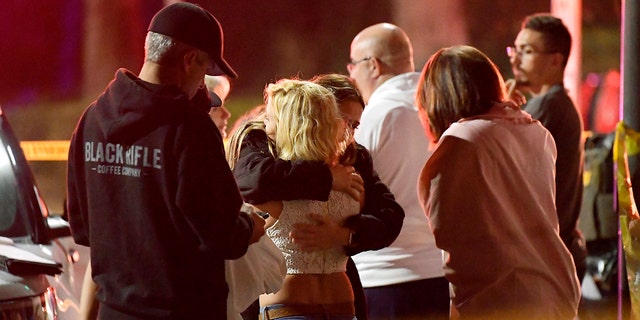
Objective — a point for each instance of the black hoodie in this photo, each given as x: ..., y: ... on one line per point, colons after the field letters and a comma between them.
x: 150, y: 191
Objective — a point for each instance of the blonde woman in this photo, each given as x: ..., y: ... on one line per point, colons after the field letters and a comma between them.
x: 303, y: 121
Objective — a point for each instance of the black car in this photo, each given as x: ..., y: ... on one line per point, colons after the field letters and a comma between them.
x: 25, y: 292
x: 27, y: 225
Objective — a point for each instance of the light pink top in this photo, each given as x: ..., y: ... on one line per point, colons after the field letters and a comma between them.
x: 488, y: 190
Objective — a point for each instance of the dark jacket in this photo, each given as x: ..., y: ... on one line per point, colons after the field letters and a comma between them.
x: 150, y: 191
x: 262, y: 178
x: 556, y: 112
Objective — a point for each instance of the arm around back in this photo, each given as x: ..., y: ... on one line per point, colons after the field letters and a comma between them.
x: 380, y: 221
x: 261, y: 177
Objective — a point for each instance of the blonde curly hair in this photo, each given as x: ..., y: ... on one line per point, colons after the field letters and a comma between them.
x: 307, y: 119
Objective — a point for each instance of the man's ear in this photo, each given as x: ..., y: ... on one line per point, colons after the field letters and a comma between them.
x: 189, y: 59
x: 558, y: 58
x: 376, y: 67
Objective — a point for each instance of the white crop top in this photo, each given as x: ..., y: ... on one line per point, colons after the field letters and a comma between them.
x: 339, y: 207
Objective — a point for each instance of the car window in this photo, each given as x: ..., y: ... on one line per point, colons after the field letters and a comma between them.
x: 12, y: 210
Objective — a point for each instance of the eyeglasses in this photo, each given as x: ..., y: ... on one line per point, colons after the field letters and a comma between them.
x: 352, y: 63
x: 513, y: 52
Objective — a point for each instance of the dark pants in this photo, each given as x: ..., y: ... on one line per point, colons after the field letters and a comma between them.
x: 195, y: 311
x: 577, y: 246
x: 106, y: 313
x: 359, y: 301
x: 336, y: 311
x: 252, y: 312
x: 422, y: 299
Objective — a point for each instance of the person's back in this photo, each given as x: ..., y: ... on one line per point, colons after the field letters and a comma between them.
x: 338, y: 207
x: 505, y: 250
x: 149, y: 189
x: 488, y: 190
x: 302, y: 120
x: 390, y: 130
x: 382, y: 66
x: 312, y: 275
x: 137, y: 167
x: 262, y: 177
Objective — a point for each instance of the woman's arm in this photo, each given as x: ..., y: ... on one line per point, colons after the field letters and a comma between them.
x: 261, y: 177
x: 273, y: 208
x: 380, y: 221
x: 377, y: 225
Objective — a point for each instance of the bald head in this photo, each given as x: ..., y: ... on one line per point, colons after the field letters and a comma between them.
x: 218, y: 84
x: 379, y: 53
x: 388, y: 43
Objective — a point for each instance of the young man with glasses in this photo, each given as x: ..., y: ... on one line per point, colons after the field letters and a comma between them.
x: 538, y: 60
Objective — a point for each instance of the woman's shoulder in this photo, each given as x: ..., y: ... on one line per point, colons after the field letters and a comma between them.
x: 467, y: 130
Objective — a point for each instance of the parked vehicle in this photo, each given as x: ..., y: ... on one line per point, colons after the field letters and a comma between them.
x: 26, y: 220
x: 25, y: 292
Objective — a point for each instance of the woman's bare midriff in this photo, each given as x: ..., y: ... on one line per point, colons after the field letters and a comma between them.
x: 311, y: 289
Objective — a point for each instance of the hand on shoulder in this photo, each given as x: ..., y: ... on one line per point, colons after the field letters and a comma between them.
x: 347, y: 180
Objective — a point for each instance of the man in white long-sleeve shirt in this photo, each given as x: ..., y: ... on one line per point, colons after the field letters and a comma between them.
x: 406, y: 279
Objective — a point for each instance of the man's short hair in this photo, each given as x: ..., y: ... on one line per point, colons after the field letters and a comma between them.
x: 162, y: 49
x: 556, y: 35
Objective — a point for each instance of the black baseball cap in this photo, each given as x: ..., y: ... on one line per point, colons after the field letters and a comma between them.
x: 195, y: 26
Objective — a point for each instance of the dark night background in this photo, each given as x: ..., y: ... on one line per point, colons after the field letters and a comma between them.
x: 52, y: 50
x: 56, y: 56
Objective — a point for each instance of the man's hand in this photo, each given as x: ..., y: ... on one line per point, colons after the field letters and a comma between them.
x: 346, y: 179
x: 514, y: 92
x: 258, y: 227
x: 323, y: 235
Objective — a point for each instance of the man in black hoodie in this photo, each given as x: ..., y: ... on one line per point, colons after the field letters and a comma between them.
x: 149, y: 189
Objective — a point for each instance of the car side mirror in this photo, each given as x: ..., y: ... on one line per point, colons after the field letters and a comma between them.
x: 58, y: 227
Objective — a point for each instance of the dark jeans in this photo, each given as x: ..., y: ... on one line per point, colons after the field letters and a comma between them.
x: 422, y: 299
x: 341, y: 311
